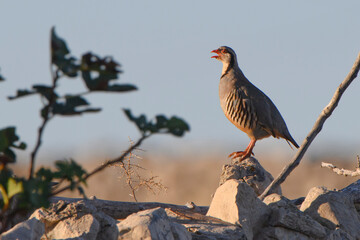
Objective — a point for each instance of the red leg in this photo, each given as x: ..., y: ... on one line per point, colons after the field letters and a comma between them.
x: 244, y: 154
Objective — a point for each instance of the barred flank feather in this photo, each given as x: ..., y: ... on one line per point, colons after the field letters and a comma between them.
x: 239, y: 110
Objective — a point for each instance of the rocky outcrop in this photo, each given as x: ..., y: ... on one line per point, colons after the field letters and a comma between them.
x: 323, y: 214
x: 250, y: 172
x: 235, y: 202
x: 235, y: 213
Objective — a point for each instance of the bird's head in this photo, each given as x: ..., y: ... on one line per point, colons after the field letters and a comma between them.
x: 224, y: 54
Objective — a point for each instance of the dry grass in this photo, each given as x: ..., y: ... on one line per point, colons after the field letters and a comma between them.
x: 189, y: 179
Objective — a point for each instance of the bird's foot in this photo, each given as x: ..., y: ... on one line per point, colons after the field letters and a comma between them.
x: 242, y: 154
x: 236, y: 154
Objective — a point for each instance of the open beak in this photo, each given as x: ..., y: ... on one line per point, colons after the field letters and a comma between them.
x: 217, y: 51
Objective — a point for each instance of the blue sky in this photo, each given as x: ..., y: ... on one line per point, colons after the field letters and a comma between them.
x: 297, y: 52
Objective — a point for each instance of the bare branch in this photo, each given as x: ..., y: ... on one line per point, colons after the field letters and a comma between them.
x: 105, y: 165
x: 326, y: 112
x: 46, y: 117
x: 341, y: 171
x: 135, y: 179
x: 128, y: 171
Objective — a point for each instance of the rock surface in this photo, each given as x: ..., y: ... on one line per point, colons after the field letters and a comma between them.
x: 339, y: 234
x: 333, y: 209
x: 281, y: 233
x: 235, y: 202
x: 151, y: 224
x: 213, y: 231
x: 78, y: 220
x: 250, y: 172
x: 204, y: 227
x: 84, y: 227
x: 286, y: 215
x: 31, y: 229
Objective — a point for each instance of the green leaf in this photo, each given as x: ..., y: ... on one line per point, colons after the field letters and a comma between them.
x: 58, y: 45
x: 121, y: 88
x: 36, y: 193
x: 76, y: 100
x: 7, y: 136
x: 60, y: 56
x: 128, y: 114
x: 161, y: 121
x: 71, y: 106
x: 140, y: 121
x: 69, y: 170
x: 43, y: 90
x: 5, y: 174
x: 21, y: 146
x: 32, y: 193
x: 14, y: 187
x: 45, y: 174
x: 4, y: 199
x: 21, y: 93
x: 10, y: 155
x: 175, y: 126
x: 8, y: 139
x: 98, y: 73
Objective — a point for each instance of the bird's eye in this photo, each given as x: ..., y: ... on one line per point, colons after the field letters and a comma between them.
x: 224, y: 51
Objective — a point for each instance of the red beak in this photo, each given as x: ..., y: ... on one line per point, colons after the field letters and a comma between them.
x: 217, y: 51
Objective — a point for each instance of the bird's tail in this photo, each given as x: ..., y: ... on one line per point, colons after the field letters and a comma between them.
x: 290, y: 139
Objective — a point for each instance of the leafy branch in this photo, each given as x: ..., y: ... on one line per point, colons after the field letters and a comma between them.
x: 97, y: 74
x: 162, y: 125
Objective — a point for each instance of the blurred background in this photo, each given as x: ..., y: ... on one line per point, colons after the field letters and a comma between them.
x: 296, y: 52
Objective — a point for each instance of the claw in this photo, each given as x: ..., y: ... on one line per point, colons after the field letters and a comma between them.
x: 242, y: 154
x: 236, y: 154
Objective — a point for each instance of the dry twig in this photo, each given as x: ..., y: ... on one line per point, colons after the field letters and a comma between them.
x: 105, y: 165
x: 326, y: 112
x: 134, y: 179
x: 128, y: 171
x: 342, y: 171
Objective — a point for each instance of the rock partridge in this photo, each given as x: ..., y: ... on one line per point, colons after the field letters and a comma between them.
x: 246, y: 106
